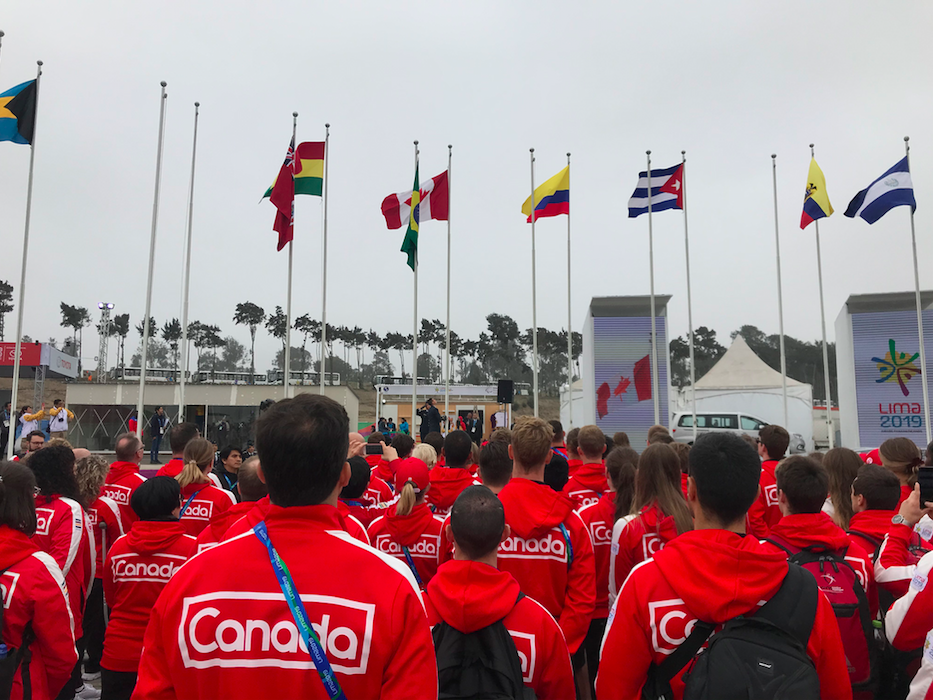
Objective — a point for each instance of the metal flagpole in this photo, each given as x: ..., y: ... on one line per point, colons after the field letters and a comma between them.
x: 1, y: 38
x: 152, y: 241
x: 22, y: 276
x: 286, y: 353
x: 923, y: 357
x: 534, y: 292
x: 450, y: 151
x: 184, y: 301
x: 693, y: 375
x: 829, y: 399
x: 324, y: 262
x: 569, y: 327
x: 654, y: 328
x: 414, y: 335
x: 777, y: 248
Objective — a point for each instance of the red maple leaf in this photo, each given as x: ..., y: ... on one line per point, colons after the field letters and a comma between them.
x: 623, y: 386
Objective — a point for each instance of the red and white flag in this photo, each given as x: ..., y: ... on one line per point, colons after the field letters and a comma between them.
x: 435, y: 203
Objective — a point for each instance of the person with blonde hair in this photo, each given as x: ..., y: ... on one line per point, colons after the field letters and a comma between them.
x: 201, y: 500
x: 425, y: 453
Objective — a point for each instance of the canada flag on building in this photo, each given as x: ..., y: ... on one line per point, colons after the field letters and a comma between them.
x: 629, y: 388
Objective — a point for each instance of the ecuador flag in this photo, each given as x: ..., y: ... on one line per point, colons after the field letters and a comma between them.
x: 815, y: 201
x: 552, y: 198
x: 309, y: 169
x: 18, y: 113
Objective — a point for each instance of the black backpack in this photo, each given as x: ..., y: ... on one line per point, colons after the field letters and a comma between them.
x: 761, y: 656
x: 14, y: 658
x: 482, y: 665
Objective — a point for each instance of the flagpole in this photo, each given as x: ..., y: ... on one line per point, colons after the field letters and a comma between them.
x: 286, y: 359
x: 1, y: 46
x: 534, y: 292
x: 184, y: 305
x: 654, y: 329
x: 923, y: 357
x: 414, y: 336
x: 777, y: 248
x: 819, y: 274
x: 152, y: 241
x: 324, y: 237
x: 569, y: 327
x: 450, y: 151
x: 693, y: 376
x: 22, y: 276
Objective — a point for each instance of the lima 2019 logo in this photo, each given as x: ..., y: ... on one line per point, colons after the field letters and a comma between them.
x: 897, y: 367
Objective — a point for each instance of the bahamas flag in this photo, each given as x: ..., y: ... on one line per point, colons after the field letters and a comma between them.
x: 309, y: 169
x: 552, y: 198
x: 18, y: 113
x: 815, y: 201
x: 410, y: 244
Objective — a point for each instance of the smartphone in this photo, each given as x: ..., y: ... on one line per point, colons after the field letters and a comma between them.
x: 374, y: 448
x: 925, y: 479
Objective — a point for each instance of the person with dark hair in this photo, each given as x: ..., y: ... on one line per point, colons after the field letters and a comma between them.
x: 201, y: 500
x: 588, y: 484
x: 435, y: 440
x: 495, y: 466
x: 841, y: 465
x: 573, y: 457
x: 657, y: 433
x: 135, y: 572
x: 34, y: 602
x: 226, y: 471
x: 928, y: 456
x: 471, y: 593
x: 682, y: 450
x: 448, y: 481
x: 251, y: 490
x: 59, y: 415
x: 178, y: 437
x: 124, y: 477
x: 557, y: 471
x: 765, y: 512
x: 620, y: 439
x: 365, y: 606
x: 354, y: 498
x: 34, y: 441
x: 431, y: 419
x: 156, y: 430
x: 379, y: 490
x: 6, y: 417
x: 557, y: 443
x: 901, y: 456
x: 712, y: 574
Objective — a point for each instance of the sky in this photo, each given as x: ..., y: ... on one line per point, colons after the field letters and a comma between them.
x: 730, y: 82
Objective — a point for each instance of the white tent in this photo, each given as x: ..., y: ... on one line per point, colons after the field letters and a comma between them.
x: 741, y: 381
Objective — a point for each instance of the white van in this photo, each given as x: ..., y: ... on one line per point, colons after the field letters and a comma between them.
x: 725, y: 422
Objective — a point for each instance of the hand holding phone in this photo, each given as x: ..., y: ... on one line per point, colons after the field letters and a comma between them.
x: 374, y: 448
x: 925, y: 480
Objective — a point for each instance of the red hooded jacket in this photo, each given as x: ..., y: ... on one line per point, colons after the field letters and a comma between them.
x: 34, y: 591
x: 419, y: 531
x: 898, y: 558
x: 710, y: 575
x: 104, y: 511
x: 171, y: 468
x: 250, y: 520
x: 381, y: 469
x: 122, y: 481
x: 641, y: 538
x: 587, y: 485
x: 599, y: 518
x: 239, y: 640
x: 378, y: 491
x: 562, y: 579
x: 137, y: 569
x: 352, y: 526
x: 221, y: 522
x: 207, y: 501
x: 468, y: 596
x: 446, y: 484
x: 765, y: 513
x: 909, y: 623
x: 573, y: 465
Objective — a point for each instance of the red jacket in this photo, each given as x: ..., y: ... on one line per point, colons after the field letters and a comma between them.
x: 468, y: 596
x: 34, y: 591
x: 640, y: 539
x: 239, y: 640
x: 208, y: 501
x: 62, y: 532
x: 909, y: 624
x: 171, y: 468
x: 599, y: 518
x: 363, y: 509
x: 573, y: 465
x: 446, y: 484
x: 252, y: 518
x: 897, y: 562
x: 419, y: 531
x: 352, y: 526
x: 104, y: 511
x: 683, y: 483
x: 710, y: 575
x: 221, y: 522
x: 137, y: 569
x: 587, y: 485
x: 536, y: 554
x: 378, y: 491
x: 381, y: 469
x: 765, y: 513
x: 122, y: 481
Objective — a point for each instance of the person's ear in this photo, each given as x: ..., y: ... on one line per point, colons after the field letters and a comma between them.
x: 345, y: 475
x: 260, y: 473
x: 506, y: 533
x: 511, y: 454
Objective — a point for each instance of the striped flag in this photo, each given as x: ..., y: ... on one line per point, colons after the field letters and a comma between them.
x: 410, y: 243
x: 552, y: 198
x: 893, y: 189
x: 434, y: 196
x: 667, y: 191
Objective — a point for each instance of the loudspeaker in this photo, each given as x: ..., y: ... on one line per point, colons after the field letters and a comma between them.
x: 506, y: 391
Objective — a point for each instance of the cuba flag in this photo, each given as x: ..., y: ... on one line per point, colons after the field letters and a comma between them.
x: 893, y: 189
x: 815, y: 200
x: 667, y: 191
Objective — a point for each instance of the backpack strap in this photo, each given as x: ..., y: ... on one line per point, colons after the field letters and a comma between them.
x: 876, y: 544
x: 566, y: 534
x: 773, y: 540
x: 793, y: 607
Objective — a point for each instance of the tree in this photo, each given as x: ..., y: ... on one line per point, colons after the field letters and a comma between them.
x: 121, y: 328
x: 153, y: 328
x: 277, y: 325
x: 232, y: 356
x: 298, y: 358
x: 6, y: 303
x: 171, y: 334
x: 249, y: 314
x: 157, y: 355
x: 397, y: 341
x: 428, y: 367
x: 76, y: 318
x: 308, y: 327
x: 706, y: 350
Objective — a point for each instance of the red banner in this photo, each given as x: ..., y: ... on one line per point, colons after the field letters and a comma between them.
x: 30, y: 354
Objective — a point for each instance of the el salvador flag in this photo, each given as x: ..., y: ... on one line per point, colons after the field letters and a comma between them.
x: 893, y: 189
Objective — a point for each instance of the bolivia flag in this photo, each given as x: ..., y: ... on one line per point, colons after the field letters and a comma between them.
x: 434, y: 203
x: 309, y: 169
x: 816, y: 201
x: 552, y: 198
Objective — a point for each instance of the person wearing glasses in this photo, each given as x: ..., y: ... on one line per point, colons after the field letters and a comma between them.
x: 124, y: 477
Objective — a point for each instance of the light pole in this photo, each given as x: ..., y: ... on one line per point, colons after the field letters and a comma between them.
x: 104, y: 330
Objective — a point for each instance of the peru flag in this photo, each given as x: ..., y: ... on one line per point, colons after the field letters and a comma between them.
x: 435, y: 203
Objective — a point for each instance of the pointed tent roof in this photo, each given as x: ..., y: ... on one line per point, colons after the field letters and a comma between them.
x: 741, y: 368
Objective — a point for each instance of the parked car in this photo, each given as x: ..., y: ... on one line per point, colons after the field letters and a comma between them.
x: 725, y: 422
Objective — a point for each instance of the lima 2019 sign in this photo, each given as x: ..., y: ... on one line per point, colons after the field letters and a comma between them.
x: 900, y: 368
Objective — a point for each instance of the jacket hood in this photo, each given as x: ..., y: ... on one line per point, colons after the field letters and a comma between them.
x: 468, y: 595
x: 14, y: 547
x: 532, y: 508
x: 372, y: 460
x: 124, y: 467
x: 407, y: 529
x: 592, y: 477
x: 573, y: 465
x: 872, y: 522
x: 720, y: 574
x: 221, y: 522
x: 446, y: 485
x: 150, y: 536
x: 383, y: 470
x: 655, y: 521
x: 807, y: 529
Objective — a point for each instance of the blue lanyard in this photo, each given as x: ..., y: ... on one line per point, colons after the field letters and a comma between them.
x: 411, y: 565
x: 334, y: 691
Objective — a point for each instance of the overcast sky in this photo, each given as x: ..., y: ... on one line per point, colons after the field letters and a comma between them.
x: 729, y: 82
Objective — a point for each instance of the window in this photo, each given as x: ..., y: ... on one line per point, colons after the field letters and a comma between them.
x: 724, y: 421
x: 749, y: 423
x: 687, y: 421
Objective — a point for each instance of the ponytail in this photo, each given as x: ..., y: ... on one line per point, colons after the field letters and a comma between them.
x: 191, y: 474
x: 407, y: 499
x: 199, y: 457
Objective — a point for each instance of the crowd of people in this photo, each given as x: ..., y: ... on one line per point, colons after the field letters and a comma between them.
x: 330, y: 565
